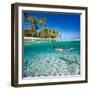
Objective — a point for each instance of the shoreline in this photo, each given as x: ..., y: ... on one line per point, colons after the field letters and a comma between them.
x: 36, y: 39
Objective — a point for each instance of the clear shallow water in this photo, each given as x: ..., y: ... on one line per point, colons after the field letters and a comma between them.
x: 41, y: 59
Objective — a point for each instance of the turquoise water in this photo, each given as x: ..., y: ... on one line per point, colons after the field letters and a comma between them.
x: 41, y: 59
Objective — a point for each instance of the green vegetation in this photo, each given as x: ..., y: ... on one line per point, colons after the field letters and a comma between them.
x: 40, y: 24
x: 48, y: 33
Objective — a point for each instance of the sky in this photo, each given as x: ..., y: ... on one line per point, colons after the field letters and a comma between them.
x: 68, y: 25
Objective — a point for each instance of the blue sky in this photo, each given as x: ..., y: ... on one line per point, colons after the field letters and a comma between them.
x: 67, y: 24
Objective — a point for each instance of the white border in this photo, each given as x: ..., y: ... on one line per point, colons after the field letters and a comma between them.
x: 62, y: 79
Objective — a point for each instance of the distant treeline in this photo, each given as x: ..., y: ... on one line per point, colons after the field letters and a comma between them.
x: 44, y: 33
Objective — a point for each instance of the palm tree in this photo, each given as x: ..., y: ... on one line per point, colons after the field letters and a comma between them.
x: 42, y: 22
x: 45, y: 32
x: 26, y: 32
x: 35, y: 24
x: 26, y: 17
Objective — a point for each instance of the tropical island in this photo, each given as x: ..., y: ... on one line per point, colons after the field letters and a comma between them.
x: 39, y: 30
x: 51, y: 44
